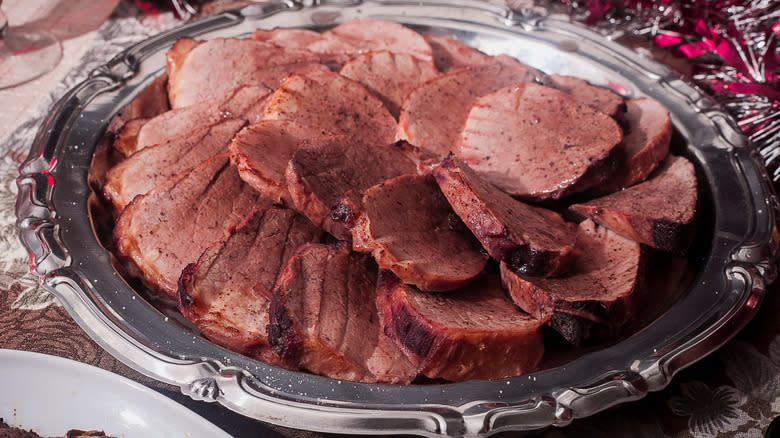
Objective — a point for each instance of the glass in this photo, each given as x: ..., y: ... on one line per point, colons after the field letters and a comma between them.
x: 25, y: 55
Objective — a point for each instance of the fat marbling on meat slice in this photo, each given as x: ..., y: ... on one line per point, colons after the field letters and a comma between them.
x: 600, y: 98
x: 212, y: 68
x: 450, y: 54
x: 161, y: 232
x: 261, y: 153
x: 370, y: 35
x: 333, y: 102
x: 324, y: 318
x: 226, y: 293
x: 659, y: 212
x: 646, y: 143
x: 152, y: 165
x: 532, y: 240
x: 326, y: 178
x: 473, y: 333
x: 245, y: 103
x: 410, y: 229
x: 597, y: 298
x: 389, y: 76
x: 433, y: 114
x: 537, y: 142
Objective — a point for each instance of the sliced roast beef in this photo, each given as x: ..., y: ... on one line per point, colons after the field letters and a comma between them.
x: 333, y: 102
x: 212, y: 68
x: 326, y: 178
x: 370, y: 35
x: 646, y: 143
x: 473, y: 333
x: 450, y: 54
x: 537, y: 142
x: 411, y: 230
x: 602, y: 99
x: 389, y: 76
x: 226, y: 293
x: 324, y: 318
x: 596, y: 299
x: 151, y: 166
x: 261, y: 153
x: 531, y: 240
x: 659, y: 212
x: 244, y: 104
x: 433, y: 114
x: 161, y: 232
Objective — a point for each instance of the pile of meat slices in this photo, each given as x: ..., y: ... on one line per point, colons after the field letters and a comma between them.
x: 371, y: 204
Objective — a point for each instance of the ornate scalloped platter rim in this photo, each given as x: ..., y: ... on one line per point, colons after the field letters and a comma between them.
x: 56, y: 228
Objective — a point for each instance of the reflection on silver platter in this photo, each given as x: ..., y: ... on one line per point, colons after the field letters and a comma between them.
x: 724, y: 283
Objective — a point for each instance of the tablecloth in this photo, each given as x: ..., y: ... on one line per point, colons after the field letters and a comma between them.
x: 734, y: 392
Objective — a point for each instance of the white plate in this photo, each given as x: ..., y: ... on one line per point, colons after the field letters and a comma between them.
x: 52, y: 395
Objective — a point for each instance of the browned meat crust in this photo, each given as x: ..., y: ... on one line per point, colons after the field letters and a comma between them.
x: 596, y: 299
x: 474, y: 333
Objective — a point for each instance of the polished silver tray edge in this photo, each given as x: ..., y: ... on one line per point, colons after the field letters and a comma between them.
x: 48, y: 219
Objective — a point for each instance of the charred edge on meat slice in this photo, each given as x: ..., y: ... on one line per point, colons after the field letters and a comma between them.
x: 597, y: 173
x: 673, y: 237
x: 282, y: 336
x: 417, y: 339
x: 185, y: 300
x: 496, y: 239
x: 529, y: 261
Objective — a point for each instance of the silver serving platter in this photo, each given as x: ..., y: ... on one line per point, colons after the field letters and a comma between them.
x: 733, y: 262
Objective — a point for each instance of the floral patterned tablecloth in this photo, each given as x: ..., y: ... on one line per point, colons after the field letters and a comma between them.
x: 734, y: 392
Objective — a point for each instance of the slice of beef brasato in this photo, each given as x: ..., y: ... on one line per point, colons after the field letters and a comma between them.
x: 646, y: 144
x: 226, y: 293
x: 410, y: 229
x: 531, y: 240
x: 324, y: 318
x: 261, y: 153
x: 537, y: 142
x: 214, y: 67
x: 152, y: 165
x: 370, y: 35
x: 244, y: 104
x: 434, y: 113
x: 659, y: 212
x: 163, y: 231
x: 333, y: 102
x: 326, y: 178
x: 474, y: 333
x: 389, y: 76
x: 600, y: 98
x: 593, y: 301
x: 450, y: 54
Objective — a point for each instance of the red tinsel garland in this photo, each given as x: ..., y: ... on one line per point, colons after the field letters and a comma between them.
x: 732, y: 46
